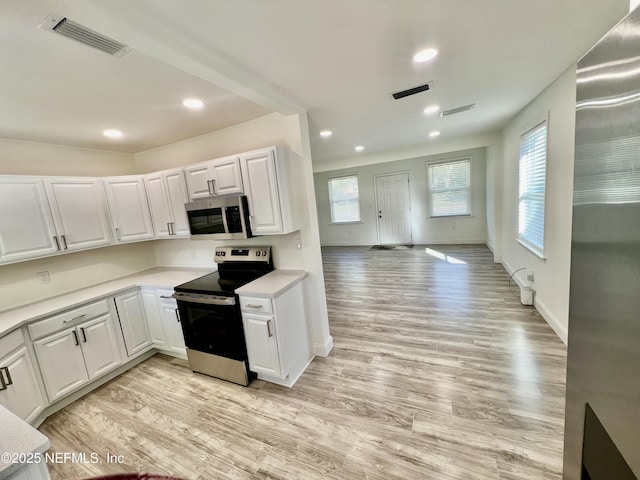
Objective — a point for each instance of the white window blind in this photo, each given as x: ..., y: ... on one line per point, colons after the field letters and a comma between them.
x: 344, y: 199
x: 533, y: 167
x: 449, y: 188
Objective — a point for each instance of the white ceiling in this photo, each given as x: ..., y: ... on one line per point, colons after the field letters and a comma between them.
x: 337, y: 59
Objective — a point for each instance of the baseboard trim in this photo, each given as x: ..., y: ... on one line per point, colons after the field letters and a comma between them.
x: 323, y: 349
x: 555, y: 324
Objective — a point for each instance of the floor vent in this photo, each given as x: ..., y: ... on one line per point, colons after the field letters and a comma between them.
x: 453, y: 111
x: 82, y: 34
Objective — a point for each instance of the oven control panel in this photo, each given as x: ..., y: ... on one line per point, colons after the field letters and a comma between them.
x: 242, y: 254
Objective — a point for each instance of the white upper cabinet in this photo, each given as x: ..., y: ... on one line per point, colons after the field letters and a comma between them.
x: 167, y: 195
x: 215, y: 177
x: 26, y: 224
x: 268, y: 176
x: 129, y: 209
x: 79, y: 212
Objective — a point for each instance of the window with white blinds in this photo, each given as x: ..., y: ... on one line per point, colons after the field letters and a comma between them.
x: 450, y: 188
x: 344, y: 199
x: 533, y: 167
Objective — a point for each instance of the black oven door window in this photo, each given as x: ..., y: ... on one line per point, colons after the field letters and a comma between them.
x: 206, y: 221
x: 215, y: 329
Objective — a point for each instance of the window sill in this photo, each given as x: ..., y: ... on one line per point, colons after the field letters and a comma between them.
x: 345, y: 223
x: 467, y: 215
x: 532, y: 249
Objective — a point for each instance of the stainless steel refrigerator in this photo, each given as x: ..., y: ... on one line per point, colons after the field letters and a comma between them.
x: 602, y: 423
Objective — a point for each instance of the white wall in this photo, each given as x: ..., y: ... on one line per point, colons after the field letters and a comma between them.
x: 472, y: 229
x: 71, y: 271
x: 551, y: 275
x: 274, y: 129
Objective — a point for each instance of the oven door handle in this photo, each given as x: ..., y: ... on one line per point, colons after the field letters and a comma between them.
x: 207, y: 301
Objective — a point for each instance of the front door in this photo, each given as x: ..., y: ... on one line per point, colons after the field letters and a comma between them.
x: 394, y: 210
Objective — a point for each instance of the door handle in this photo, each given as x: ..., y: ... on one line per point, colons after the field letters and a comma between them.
x: 75, y: 338
x: 57, y: 242
x: 6, y: 371
x: 64, y: 242
x: 177, y: 315
x: 84, y: 335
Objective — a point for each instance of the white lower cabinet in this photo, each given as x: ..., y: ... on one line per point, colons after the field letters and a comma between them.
x: 85, y: 344
x: 276, y: 332
x: 133, y: 322
x: 164, y: 321
x: 19, y: 388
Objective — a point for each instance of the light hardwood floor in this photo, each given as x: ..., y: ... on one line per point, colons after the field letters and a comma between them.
x: 437, y: 372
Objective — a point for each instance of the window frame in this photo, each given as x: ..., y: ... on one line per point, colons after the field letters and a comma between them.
x: 430, y: 192
x: 331, y: 202
x: 527, y: 243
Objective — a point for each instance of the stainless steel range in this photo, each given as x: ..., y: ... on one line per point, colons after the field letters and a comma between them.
x: 210, y: 313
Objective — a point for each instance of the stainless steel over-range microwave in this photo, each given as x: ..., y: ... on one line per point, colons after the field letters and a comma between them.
x: 225, y: 218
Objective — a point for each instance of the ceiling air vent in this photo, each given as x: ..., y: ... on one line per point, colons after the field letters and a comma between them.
x: 82, y: 34
x: 453, y: 111
x: 412, y: 91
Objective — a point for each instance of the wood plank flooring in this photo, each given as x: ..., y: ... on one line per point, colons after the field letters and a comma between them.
x: 437, y: 372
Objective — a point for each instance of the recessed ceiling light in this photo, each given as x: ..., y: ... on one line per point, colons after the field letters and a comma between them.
x: 431, y: 109
x: 112, y: 133
x: 326, y: 133
x: 193, y: 103
x: 434, y: 134
x: 424, y: 55
x: 359, y: 148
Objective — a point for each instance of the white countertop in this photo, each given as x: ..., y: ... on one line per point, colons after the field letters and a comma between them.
x: 16, y: 437
x: 272, y: 284
x: 154, y: 277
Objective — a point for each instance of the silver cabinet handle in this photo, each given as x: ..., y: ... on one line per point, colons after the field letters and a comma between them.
x: 64, y: 242
x: 250, y: 305
x: 79, y: 317
x: 210, y: 187
x: 173, y: 228
x: 251, y: 223
x: 118, y: 234
x: 213, y: 186
x: 269, y: 328
x: 84, y: 335
x: 166, y: 296
x: 169, y: 227
x: 3, y: 384
x: 57, y: 243
x: 177, y: 315
x: 75, y: 338
x: 6, y: 371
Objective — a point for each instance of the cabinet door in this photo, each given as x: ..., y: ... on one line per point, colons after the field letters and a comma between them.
x: 61, y: 363
x: 129, y: 209
x: 22, y: 396
x: 262, y: 347
x: 177, y: 193
x: 171, y: 321
x: 133, y: 322
x: 26, y: 224
x: 198, y: 179
x: 99, y: 345
x: 154, y: 321
x: 226, y: 177
x: 159, y: 205
x: 79, y: 212
x: 261, y: 186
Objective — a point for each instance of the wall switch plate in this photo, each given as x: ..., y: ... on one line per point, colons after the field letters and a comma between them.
x: 43, y: 277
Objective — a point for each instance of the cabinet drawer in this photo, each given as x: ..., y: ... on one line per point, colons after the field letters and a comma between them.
x: 10, y: 342
x: 256, y: 305
x: 67, y: 319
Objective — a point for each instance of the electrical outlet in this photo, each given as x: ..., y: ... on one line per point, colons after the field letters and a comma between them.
x: 531, y: 276
x: 43, y: 277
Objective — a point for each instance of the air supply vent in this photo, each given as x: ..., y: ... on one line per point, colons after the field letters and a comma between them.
x: 412, y: 91
x: 82, y: 34
x: 453, y: 111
